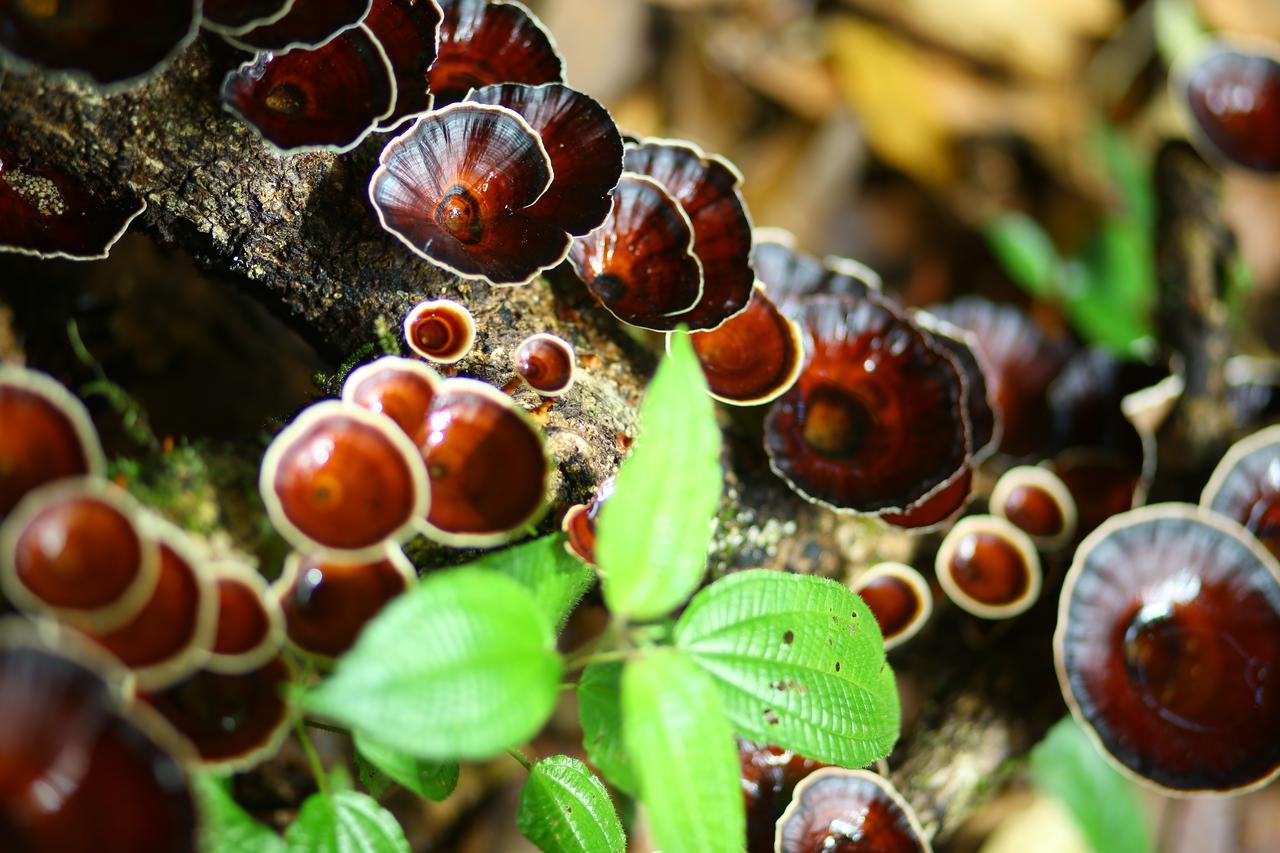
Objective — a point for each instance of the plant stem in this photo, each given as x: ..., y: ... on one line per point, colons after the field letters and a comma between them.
x: 519, y: 756
x: 317, y: 769
x: 576, y: 662
x: 316, y: 724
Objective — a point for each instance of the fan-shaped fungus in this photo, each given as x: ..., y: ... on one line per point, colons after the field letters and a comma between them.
x: 547, y: 363
x: 791, y: 276
x: 898, y: 597
x: 848, y: 810
x: 491, y: 41
x: 440, y: 330
x: 408, y: 31
x: 250, y: 627
x: 769, y: 774
x: 933, y: 512
x: 1037, y: 502
x: 1245, y: 486
x: 307, y: 23
x: 988, y: 567
x: 984, y: 423
x: 233, y: 17
x: 579, y: 524
x: 1232, y: 94
x: 400, y: 388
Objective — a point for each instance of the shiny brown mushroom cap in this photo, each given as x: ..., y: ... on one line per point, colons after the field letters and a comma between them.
x: 1231, y: 92
x: 547, y: 363
x: 1168, y: 631
x: 1037, y: 502
x: 306, y: 24
x: 988, y: 567
x: 491, y: 41
x: 408, y: 31
x: 792, y: 276
x: 768, y: 774
x: 233, y: 17
x: 848, y: 811
x: 898, y: 597
x: 249, y: 630
x: 935, y: 511
x: 440, y: 330
x: 400, y: 388
x: 1245, y: 486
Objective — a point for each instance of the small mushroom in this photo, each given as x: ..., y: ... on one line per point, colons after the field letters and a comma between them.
x: 234, y: 17
x: 1168, y: 630
x: 343, y: 480
x: 899, y: 599
x: 706, y: 187
x: 440, y: 330
x: 1102, y: 482
x: 249, y: 627
x: 876, y: 422
x: 848, y: 810
x: 408, y: 31
x: 109, y: 44
x: 487, y: 464
x: 1037, y: 502
x: 988, y: 567
x: 400, y: 388
x: 1245, y: 486
x: 753, y: 357
x: 769, y: 774
x: 640, y: 262
x: 984, y: 423
x: 792, y: 276
x: 73, y: 549
x: 327, y: 98
x: 547, y: 363
x: 306, y: 24
x: 45, y: 434
x: 491, y: 41
x: 1231, y: 93
x: 934, y: 512
x: 45, y: 214
x: 326, y: 603
x: 579, y: 524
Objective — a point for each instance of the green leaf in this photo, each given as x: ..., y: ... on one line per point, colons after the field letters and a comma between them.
x: 1025, y: 251
x: 799, y: 662
x: 345, y: 822
x: 564, y: 808
x: 224, y: 826
x: 557, y: 579
x: 1066, y: 766
x: 655, y: 529
x: 433, y: 780
x: 682, y: 748
x: 463, y: 666
x: 600, y: 711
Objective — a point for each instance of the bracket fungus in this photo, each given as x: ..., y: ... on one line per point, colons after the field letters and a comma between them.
x: 769, y: 774
x: 233, y: 17
x: 547, y: 364
x: 1230, y: 92
x: 1245, y: 486
x: 400, y: 388
x: 408, y: 31
x: 1168, y: 630
x: 1037, y: 502
x: 988, y: 567
x: 491, y: 41
x: 440, y: 330
x: 791, y: 276
x: 306, y: 24
x: 327, y: 98
x: 249, y: 627
x: 984, y: 423
x: 936, y: 511
x: 579, y: 524
x: 898, y: 597
x: 343, y: 480
x: 848, y: 810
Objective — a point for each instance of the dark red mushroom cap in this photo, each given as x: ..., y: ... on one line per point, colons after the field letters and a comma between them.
x: 582, y: 141
x: 1020, y: 364
x: 753, y: 357
x: 73, y: 549
x: 250, y: 627
x: 400, y: 388
x: 233, y: 17
x: 791, y: 275
x: 579, y: 524
x: 706, y: 186
x: 307, y: 23
x: 326, y: 603
x: 848, y: 810
x: 640, y: 263
x: 232, y: 722
x: 44, y: 213
x: 934, y: 512
x: 1103, y: 482
x: 876, y: 421
x: 1245, y: 486
x: 440, y: 330
x: 45, y: 435
x: 491, y: 41
x: 172, y: 634
x: 988, y: 567
x: 327, y: 98
x: 1232, y: 94
x: 344, y: 480
x: 769, y: 774
x: 487, y: 466
x: 1037, y: 502
x: 108, y: 43
x: 1168, y: 633
x: 899, y: 599
x: 408, y: 31
x: 457, y: 189
x: 984, y: 423
x: 547, y: 363
x: 78, y: 772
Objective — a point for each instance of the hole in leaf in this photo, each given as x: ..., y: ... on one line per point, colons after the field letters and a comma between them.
x: 770, y: 717
x: 789, y: 637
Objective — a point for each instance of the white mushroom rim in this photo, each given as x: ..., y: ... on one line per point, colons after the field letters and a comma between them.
x: 565, y: 348
x: 1010, y: 535
x: 1233, y: 463
x: 883, y: 784
x: 387, y: 364
x: 245, y: 575
x: 919, y: 587
x: 68, y: 404
x: 237, y: 41
x: 1044, y: 480
x: 452, y: 309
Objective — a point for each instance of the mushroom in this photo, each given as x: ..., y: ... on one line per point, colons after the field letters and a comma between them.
x: 934, y: 512
x: 400, y: 388
x: 249, y: 626
x: 706, y: 187
x: 988, y: 567
x: 1035, y: 501
x: 1168, y: 625
x: 546, y: 363
x: 898, y: 597
x: 1230, y: 92
x: 306, y: 24
x: 876, y: 422
x: 984, y: 423
x: 579, y: 524
x: 408, y: 31
x: 487, y: 464
x: 491, y: 41
x: 848, y: 810
x: 769, y: 774
x: 440, y: 330
x: 234, y: 17
x: 326, y: 603
x: 791, y: 276
x: 343, y: 480
x: 1103, y: 482
x: 73, y: 549
x: 640, y: 262
x: 753, y: 357
x: 327, y: 98
x: 45, y: 214
x: 1245, y: 486
x: 109, y: 44
x: 47, y: 435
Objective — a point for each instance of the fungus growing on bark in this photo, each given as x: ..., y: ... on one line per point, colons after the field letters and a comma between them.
x: 898, y: 597
x: 769, y: 774
x: 400, y: 388
x: 547, y: 363
x: 1231, y: 93
x: 408, y: 31
x: 344, y: 480
x: 233, y: 17
x: 1103, y: 482
x: 307, y: 24
x: 1245, y: 486
x: 249, y: 627
x: 440, y: 330
x: 1168, y: 626
x: 491, y: 41
x: 579, y: 524
x: 933, y: 512
x: 984, y: 423
x: 1037, y: 502
x: 988, y: 567
x: 791, y: 275
x: 848, y: 810
x: 327, y: 98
